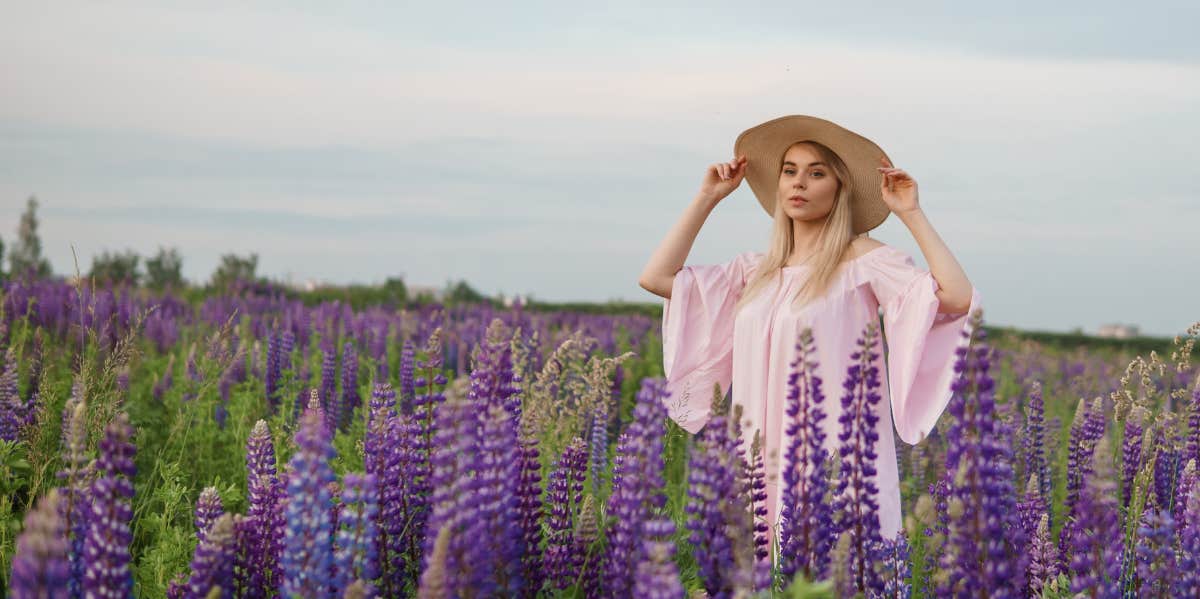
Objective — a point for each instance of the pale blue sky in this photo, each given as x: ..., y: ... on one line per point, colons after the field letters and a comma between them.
x: 547, y: 148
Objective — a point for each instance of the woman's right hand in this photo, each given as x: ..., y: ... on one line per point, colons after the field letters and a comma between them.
x: 722, y: 178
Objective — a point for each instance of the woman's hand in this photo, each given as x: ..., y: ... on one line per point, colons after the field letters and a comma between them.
x: 899, y: 190
x: 722, y: 178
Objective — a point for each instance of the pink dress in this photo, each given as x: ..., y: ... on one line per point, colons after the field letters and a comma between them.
x: 704, y: 343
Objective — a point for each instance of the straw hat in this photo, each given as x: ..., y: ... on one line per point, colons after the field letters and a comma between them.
x: 763, y: 146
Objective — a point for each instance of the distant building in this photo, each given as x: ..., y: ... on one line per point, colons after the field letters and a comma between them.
x: 509, y: 301
x: 1119, y: 331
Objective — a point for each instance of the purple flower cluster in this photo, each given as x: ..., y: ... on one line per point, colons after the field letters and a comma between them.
x: 807, y: 530
x: 356, y: 555
x: 1095, y: 541
x: 637, y: 487
x: 213, y: 561
x: 208, y: 509
x: 264, y: 542
x: 40, y: 568
x: 656, y: 576
x: 106, y: 549
x: 307, y: 559
x: 563, y: 556
x: 856, y: 498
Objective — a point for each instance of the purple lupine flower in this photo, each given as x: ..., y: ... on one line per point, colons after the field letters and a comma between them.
x: 856, y: 500
x: 1086, y: 431
x: 1193, y: 436
x: 212, y: 563
x: 637, y: 486
x: 40, y: 567
x: 350, y: 395
x: 1035, y: 444
x: 1032, y: 511
x: 76, y: 475
x: 1187, y: 584
x: 498, y: 560
x: 451, y: 507
x: 1188, y: 479
x: 1155, y: 552
x: 274, y: 375
x: 12, y: 416
x: 1131, y: 451
x: 599, y: 441
x: 329, y: 398
x: 265, y: 497
x: 492, y: 374
x: 564, y: 493
x: 1043, y: 558
x: 892, y: 571
x: 307, y: 557
x: 756, y: 481
x: 656, y: 576
x: 985, y: 538
x: 807, y: 529
x: 106, y: 548
x: 1166, y: 465
x: 208, y: 509
x: 529, y: 504
x: 356, y: 556
x: 407, y: 383
x: 1096, y: 534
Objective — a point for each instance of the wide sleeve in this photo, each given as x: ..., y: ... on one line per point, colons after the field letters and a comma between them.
x: 697, y: 333
x: 921, y: 342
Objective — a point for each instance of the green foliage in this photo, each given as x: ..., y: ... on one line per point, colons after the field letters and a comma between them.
x: 234, y: 268
x: 25, y: 258
x: 164, y: 269
x: 116, y: 267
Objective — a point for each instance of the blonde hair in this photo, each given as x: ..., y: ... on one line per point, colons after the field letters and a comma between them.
x: 832, y: 242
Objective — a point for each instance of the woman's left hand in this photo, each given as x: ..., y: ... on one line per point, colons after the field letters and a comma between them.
x: 899, y: 190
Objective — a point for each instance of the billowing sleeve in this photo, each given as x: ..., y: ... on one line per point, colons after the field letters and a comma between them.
x: 921, y: 342
x: 697, y: 333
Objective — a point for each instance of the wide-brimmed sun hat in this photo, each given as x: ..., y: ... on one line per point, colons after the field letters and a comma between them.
x: 763, y: 146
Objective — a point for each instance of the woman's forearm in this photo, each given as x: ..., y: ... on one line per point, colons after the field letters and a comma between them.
x: 954, y: 294
x: 659, y: 274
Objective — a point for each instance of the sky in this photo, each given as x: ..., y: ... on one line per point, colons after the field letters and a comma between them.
x: 547, y: 148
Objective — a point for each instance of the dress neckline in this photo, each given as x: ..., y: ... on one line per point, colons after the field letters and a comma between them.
x: 859, y: 257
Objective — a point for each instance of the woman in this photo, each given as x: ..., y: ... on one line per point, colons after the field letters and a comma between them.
x: 739, y: 322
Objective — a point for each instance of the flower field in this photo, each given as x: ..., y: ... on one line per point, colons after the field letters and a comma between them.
x: 248, y: 445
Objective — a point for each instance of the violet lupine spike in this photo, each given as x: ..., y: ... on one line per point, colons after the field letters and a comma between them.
x: 208, y: 509
x: 1131, y: 451
x: 106, y: 549
x: 274, y: 373
x: 599, y: 442
x: 637, y: 486
x: 561, y: 558
x: 11, y: 407
x: 1096, y: 536
x: 1043, y: 558
x: 356, y: 556
x: 807, y: 529
x: 757, y: 491
x: 75, y: 475
x: 892, y: 571
x: 530, y: 507
x: 656, y: 576
x: 1155, y: 553
x: 1166, y: 466
x: 856, y: 500
x: 329, y: 398
x: 1035, y: 440
x: 492, y: 375
x: 497, y: 560
x: 450, y: 504
x: 1187, y: 584
x: 307, y: 558
x: 1086, y: 430
x: 1188, y: 479
x: 985, y: 537
x: 265, y: 496
x: 1031, y: 511
x: 407, y: 382
x: 1193, y: 435
x: 41, y: 568
x: 350, y: 395
x: 213, y: 560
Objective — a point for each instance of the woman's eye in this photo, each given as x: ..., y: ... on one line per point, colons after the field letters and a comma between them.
x: 788, y: 172
x: 819, y: 173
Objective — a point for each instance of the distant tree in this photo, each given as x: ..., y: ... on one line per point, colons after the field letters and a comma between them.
x: 461, y: 292
x: 1, y: 259
x: 25, y: 259
x: 116, y: 267
x: 164, y: 270
x: 234, y: 268
x: 395, y: 290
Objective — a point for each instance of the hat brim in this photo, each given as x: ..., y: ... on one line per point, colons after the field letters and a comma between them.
x: 763, y: 146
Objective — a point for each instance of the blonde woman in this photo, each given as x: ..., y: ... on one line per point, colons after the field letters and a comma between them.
x: 738, y: 323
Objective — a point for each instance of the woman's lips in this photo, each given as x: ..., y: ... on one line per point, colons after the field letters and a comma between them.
x: 798, y: 200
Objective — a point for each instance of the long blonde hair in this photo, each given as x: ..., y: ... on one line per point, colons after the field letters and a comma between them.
x: 832, y: 242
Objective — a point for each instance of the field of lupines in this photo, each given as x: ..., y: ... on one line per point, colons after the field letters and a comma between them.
x: 252, y: 446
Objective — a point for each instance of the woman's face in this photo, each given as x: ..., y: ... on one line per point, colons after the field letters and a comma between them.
x: 805, y: 175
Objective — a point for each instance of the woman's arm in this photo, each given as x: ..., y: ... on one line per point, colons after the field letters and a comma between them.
x: 954, y: 295
x: 719, y: 181
x: 668, y: 259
